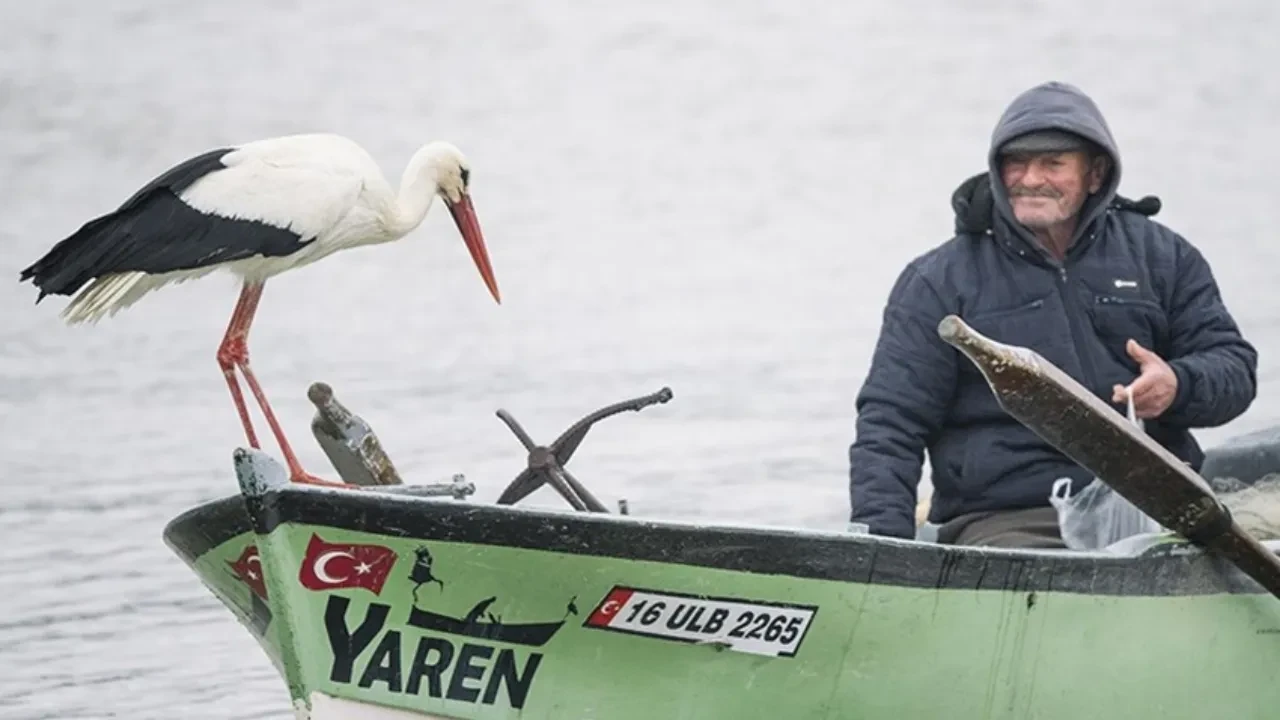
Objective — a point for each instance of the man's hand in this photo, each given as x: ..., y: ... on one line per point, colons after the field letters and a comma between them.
x: 1154, y: 388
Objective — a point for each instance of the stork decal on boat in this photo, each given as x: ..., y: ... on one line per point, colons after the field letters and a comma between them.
x: 479, y: 622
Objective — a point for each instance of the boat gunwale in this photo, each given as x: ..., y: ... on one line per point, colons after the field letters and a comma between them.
x: 1175, y: 570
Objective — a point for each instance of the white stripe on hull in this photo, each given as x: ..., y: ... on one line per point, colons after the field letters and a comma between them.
x: 324, y: 707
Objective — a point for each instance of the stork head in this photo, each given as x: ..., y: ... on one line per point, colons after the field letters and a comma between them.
x: 447, y: 169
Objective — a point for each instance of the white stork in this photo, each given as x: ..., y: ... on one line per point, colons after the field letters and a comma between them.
x: 256, y: 210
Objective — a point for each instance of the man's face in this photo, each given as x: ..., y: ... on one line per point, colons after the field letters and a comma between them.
x: 1046, y: 189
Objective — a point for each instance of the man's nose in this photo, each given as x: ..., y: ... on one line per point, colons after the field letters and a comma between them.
x: 1032, y: 176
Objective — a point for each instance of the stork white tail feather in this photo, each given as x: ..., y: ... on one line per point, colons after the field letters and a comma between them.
x: 110, y: 294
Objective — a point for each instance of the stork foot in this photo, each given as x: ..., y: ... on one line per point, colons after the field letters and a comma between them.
x: 306, y: 478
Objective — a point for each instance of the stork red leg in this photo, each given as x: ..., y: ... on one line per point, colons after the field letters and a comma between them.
x: 237, y: 350
x: 227, y: 354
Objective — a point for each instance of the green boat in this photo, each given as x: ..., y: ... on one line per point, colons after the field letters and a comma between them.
x: 395, y: 601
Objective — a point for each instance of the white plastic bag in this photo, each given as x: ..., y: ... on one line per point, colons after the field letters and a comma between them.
x: 1098, y: 516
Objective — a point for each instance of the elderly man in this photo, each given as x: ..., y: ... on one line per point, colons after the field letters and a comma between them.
x: 1046, y: 256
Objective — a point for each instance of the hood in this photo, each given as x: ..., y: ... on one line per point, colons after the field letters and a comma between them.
x: 1053, y: 106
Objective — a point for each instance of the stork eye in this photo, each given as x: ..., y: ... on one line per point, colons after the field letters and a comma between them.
x: 466, y: 177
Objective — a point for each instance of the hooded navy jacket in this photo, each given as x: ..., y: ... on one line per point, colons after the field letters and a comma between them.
x: 1125, y: 276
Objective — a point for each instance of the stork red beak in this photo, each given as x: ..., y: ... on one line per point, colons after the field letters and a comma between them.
x: 464, y: 214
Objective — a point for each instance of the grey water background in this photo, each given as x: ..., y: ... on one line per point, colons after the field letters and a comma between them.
x: 710, y: 195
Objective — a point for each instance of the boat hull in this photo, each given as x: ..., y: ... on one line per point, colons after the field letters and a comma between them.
x: 475, y: 611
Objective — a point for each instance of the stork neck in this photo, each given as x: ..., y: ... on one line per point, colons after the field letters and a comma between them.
x: 417, y: 192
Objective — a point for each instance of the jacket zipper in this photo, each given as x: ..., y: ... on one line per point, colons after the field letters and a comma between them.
x: 1073, y: 322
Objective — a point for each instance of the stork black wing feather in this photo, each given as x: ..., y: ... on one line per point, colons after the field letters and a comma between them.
x: 155, y: 232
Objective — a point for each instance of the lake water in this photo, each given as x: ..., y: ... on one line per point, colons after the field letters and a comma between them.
x: 709, y: 195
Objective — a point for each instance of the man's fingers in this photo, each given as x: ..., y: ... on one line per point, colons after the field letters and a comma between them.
x: 1142, y: 385
x: 1150, y: 397
x: 1118, y: 394
x: 1140, y: 354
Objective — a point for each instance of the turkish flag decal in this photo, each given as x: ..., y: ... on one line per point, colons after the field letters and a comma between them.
x: 248, y: 567
x: 334, y: 566
x: 610, y: 607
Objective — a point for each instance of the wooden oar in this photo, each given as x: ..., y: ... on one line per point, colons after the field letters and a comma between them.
x: 1100, y: 439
